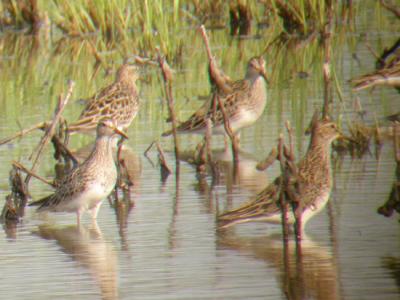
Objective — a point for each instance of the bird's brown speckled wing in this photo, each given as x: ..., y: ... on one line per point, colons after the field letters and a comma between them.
x: 71, y: 185
x: 115, y: 101
x: 264, y: 203
x: 211, y: 109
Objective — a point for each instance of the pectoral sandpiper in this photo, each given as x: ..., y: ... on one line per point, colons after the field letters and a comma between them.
x: 315, y: 181
x: 84, y: 188
x: 243, y: 106
x: 118, y: 101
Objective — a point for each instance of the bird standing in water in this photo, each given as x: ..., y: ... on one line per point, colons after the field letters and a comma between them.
x: 84, y: 188
x: 243, y: 105
x: 314, y: 179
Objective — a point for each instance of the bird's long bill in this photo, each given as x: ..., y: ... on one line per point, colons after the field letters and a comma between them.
x: 120, y: 132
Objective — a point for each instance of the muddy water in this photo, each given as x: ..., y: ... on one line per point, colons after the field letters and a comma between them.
x: 165, y: 244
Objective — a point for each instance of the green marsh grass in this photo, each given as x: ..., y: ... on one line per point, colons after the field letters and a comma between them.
x: 36, y: 69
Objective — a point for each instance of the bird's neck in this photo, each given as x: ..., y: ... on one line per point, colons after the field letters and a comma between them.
x: 319, y: 152
x: 253, y: 76
x: 102, y: 150
x: 258, y: 92
x: 126, y: 80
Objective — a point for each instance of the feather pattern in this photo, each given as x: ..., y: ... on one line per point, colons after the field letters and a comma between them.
x: 118, y: 101
x: 88, y: 184
x: 314, y: 179
x: 243, y: 105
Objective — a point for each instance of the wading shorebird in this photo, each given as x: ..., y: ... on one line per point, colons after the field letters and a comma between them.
x: 118, y: 101
x: 314, y: 179
x: 84, y: 188
x: 243, y: 105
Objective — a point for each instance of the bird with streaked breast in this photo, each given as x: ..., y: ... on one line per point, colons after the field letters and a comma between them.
x: 314, y: 179
x: 85, y: 187
x: 243, y: 104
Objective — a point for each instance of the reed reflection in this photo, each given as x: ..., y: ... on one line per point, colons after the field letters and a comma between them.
x: 244, y: 176
x: 392, y: 264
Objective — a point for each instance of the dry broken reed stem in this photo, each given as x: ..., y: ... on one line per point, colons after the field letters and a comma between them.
x: 167, y: 76
x: 396, y: 141
x: 22, y: 168
x: 165, y: 170
x: 268, y: 161
x: 231, y: 135
x: 16, y: 200
x: 9, y: 212
x: 200, y: 158
x: 372, y: 51
x: 145, y: 153
x: 217, y: 77
x: 393, y: 202
x: 221, y: 82
x: 62, y: 149
x: 13, y: 210
x: 290, y: 132
x: 50, y: 130
x: 121, y: 165
x: 148, y: 149
x: 23, y: 132
x: 292, y: 186
x: 207, y: 140
x: 206, y: 42
x: 282, y: 197
x: 327, y: 38
x: 391, y: 7
x: 288, y: 184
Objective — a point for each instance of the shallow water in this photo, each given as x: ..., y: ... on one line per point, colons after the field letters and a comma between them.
x: 166, y: 245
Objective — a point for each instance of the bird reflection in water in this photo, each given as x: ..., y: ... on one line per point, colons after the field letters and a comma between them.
x: 307, y: 271
x: 244, y: 176
x: 88, y: 248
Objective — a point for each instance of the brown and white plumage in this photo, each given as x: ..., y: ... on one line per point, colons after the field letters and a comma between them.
x: 87, y: 185
x: 118, y: 101
x: 243, y: 105
x: 315, y: 181
x: 387, y: 74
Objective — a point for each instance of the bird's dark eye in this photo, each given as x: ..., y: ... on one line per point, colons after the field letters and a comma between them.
x: 102, y: 124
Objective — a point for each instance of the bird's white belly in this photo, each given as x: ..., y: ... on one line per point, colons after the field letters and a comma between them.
x: 316, y: 207
x: 308, y: 213
x: 245, y: 118
x: 95, y: 193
